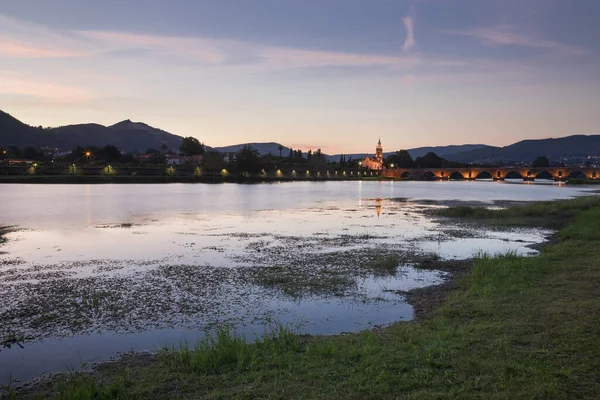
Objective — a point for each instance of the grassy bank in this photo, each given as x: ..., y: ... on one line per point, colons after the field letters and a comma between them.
x: 552, y: 214
x: 513, y: 328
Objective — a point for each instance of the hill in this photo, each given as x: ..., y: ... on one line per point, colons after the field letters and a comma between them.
x: 576, y: 146
x: 263, y: 148
x: 126, y: 135
x: 129, y: 136
x: 16, y: 133
x: 442, y: 151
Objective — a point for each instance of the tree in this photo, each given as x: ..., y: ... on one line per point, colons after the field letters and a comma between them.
x: 430, y: 160
x: 248, y: 160
x: 31, y: 153
x: 309, y: 155
x: 190, y: 146
x: 318, y: 160
x: 109, y: 153
x: 400, y: 159
x: 540, y: 162
x: 164, y: 148
x: 212, y: 161
x: 280, y: 148
x: 155, y: 156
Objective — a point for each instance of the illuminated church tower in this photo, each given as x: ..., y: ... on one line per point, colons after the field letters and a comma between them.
x: 375, y: 163
x: 379, y: 152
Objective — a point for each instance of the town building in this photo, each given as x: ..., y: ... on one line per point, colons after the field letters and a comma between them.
x: 375, y: 163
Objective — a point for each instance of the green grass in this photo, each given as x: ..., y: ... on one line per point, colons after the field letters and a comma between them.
x: 514, y: 328
x: 298, y: 283
x: 385, y: 265
x: 545, y: 213
x: 581, y: 181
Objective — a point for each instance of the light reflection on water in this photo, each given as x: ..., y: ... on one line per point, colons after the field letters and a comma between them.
x: 130, y: 231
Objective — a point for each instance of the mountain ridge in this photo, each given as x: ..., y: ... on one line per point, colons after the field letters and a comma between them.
x: 130, y: 136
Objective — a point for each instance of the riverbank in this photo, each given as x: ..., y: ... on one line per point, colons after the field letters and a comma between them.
x: 124, y: 179
x: 511, y: 327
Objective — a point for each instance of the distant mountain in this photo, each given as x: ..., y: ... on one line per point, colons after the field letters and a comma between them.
x: 577, y: 146
x: 16, y: 133
x: 263, y: 148
x: 126, y: 135
x: 445, y: 151
x: 129, y: 136
x: 442, y: 151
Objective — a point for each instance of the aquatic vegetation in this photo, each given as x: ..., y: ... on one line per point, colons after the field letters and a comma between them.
x: 298, y: 283
x: 12, y: 339
x: 513, y: 327
x: 385, y: 265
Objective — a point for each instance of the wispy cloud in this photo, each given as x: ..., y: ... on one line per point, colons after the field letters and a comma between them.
x: 195, y: 48
x: 508, y: 35
x: 409, y: 24
x: 295, y: 58
x: 18, y: 84
x: 23, y: 39
x: 229, y: 53
x: 15, y: 49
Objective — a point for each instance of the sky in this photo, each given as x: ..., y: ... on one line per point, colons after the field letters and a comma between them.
x: 329, y: 74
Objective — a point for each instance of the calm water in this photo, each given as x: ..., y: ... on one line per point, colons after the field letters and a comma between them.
x: 93, y: 270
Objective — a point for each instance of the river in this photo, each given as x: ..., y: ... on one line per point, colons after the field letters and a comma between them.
x: 89, y: 271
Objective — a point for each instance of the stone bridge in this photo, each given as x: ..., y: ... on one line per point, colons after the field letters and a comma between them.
x: 495, y: 173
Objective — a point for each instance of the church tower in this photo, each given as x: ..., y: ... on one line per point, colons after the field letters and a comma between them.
x: 379, y: 152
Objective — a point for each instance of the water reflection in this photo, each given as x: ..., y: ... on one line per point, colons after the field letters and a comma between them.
x: 164, y: 262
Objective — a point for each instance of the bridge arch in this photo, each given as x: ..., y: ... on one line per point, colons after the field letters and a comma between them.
x: 544, y: 175
x: 513, y: 175
x: 406, y: 175
x: 484, y: 175
x: 456, y: 176
x: 578, y: 174
x: 428, y: 176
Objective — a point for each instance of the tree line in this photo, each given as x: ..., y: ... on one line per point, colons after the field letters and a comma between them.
x: 247, y: 159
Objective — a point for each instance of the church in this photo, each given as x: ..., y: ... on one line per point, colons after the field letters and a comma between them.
x: 375, y: 163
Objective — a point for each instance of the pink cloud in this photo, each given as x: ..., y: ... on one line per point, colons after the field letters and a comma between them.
x: 23, y: 39
x: 409, y: 42
x: 196, y: 48
x: 10, y: 48
x: 11, y: 83
x: 506, y: 35
x: 285, y: 57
